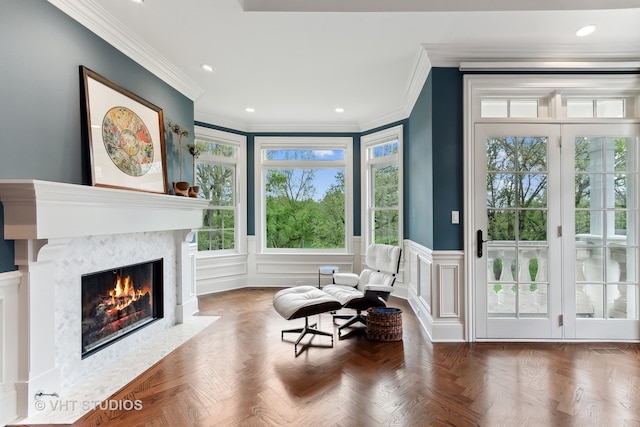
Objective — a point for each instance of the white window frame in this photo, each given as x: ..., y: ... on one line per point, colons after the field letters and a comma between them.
x: 302, y: 143
x: 367, y: 161
x: 239, y: 142
x: 552, y: 92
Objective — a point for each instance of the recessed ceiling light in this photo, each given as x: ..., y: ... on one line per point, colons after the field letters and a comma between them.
x: 208, y: 68
x: 138, y: 1
x: 339, y: 110
x: 250, y: 110
x: 585, y: 31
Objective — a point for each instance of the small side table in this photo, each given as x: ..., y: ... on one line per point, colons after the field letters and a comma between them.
x: 326, y: 270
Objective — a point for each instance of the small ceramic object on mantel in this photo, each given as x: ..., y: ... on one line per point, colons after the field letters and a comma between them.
x: 193, y: 191
x: 181, y: 188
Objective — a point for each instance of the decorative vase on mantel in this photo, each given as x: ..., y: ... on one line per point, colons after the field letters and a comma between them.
x: 181, y: 188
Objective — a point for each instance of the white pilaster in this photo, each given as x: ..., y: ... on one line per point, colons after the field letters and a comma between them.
x: 187, y: 301
x: 37, y: 370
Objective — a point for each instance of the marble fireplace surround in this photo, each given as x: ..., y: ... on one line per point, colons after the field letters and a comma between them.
x: 62, y: 231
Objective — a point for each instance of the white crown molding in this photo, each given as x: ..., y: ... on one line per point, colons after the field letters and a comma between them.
x: 419, y: 75
x: 426, y: 5
x: 278, y: 127
x: 212, y: 119
x: 392, y: 117
x: 551, y: 66
x: 452, y: 55
x: 299, y: 127
x: 102, y: 23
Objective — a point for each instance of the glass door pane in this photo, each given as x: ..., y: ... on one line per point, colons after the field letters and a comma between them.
x: 517, y: 180
x: 606, y: 212
x: 603, y: 240
x: 517, y: 171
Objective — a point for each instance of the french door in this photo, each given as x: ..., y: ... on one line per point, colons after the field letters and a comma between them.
x: 556, y: 231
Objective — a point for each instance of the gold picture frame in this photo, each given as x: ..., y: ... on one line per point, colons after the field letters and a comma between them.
x: 125, y: 137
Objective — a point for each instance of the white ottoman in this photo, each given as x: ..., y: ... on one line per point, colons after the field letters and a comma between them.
x: 304, y: 301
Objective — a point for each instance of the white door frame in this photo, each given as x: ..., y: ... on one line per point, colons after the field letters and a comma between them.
x: 546, y: 88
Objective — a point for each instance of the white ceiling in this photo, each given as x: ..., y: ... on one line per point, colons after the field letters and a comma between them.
x: 295, y: 61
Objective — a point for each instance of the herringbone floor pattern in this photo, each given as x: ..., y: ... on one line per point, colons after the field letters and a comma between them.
x: 238, y: 372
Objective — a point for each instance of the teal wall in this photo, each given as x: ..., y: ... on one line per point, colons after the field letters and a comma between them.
x: 433, y: 161
x: 251, y: 168
x: 418, y: 167
x: 40, y: 113
x: 448, y: 158
x: 40, y: 117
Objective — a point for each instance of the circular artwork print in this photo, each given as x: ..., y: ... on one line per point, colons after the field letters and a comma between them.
x: 127, y: 141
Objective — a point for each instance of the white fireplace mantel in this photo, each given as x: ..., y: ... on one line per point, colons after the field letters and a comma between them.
x: 36, y: 209
x: 47, y: 220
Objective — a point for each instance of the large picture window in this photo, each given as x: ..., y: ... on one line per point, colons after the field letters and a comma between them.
x: 304, y: 193
x: 217, y: 173
x: 382, y: 180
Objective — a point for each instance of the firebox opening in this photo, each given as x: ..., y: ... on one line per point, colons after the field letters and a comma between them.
x: 119, y: 301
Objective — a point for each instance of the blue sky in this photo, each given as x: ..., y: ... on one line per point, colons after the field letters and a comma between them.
x: 324, y: 178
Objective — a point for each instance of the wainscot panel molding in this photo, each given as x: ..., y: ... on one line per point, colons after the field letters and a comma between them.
x: 436, y: 291
x: 293, y: 269
x: 296, y: 269
x: 9, y: 283
x: 218, y: 273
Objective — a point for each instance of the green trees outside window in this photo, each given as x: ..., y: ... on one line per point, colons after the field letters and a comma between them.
x: 305, y: 206
x: 216, y: 176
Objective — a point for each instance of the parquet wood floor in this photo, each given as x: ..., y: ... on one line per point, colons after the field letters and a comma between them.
x: 238, y: 372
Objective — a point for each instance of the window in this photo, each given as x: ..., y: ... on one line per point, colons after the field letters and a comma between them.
x: 218, y: 169
x: 304, y: 193
x: 382, y: 179
x: 516, y: 98
x: 591, y: 108
x: 502, y: 108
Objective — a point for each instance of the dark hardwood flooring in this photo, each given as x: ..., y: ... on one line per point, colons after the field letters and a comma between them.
x: 238, y: 372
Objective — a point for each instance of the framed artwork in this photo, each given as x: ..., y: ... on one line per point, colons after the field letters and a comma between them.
x: 126, y: 137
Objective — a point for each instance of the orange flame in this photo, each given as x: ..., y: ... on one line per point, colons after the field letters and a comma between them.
x: 124, y: 293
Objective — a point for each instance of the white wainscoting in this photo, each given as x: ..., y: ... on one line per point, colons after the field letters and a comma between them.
x: 224, y: 272
x: 220, y: 273
x: 9, y: 283
x: 436, y: 290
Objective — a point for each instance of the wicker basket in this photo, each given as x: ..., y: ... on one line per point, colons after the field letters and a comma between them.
x: 384, y: 324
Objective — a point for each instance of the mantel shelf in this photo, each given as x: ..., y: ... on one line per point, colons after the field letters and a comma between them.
x: 36, y: 209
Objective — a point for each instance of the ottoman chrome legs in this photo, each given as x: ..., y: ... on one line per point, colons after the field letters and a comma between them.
x: 304, y: 301
x: 307, y: 329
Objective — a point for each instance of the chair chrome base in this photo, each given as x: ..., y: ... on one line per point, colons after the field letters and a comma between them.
x: 358, y: 317
x: 307, y: 329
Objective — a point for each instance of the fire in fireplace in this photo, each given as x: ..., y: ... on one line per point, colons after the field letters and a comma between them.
x: 117, y: 302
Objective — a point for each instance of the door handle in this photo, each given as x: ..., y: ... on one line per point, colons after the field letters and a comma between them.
x: 480, y: 242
